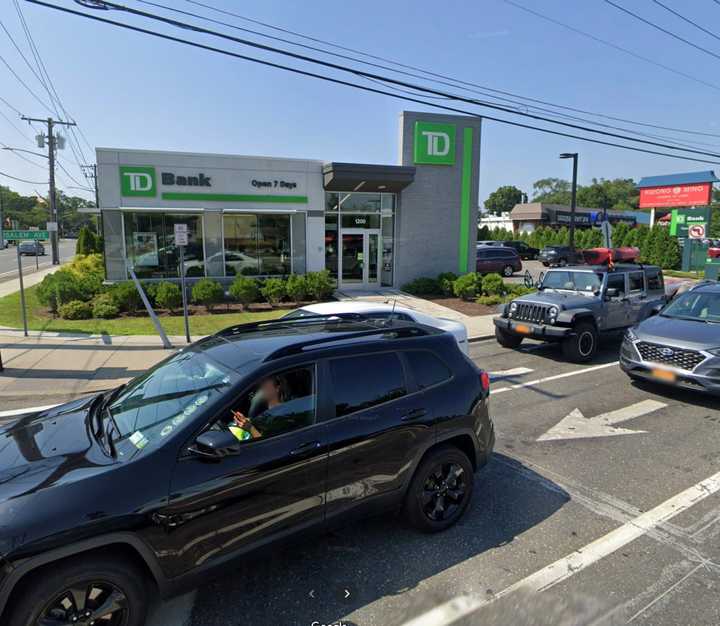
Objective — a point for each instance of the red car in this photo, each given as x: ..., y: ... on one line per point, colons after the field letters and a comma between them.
x: 497, y: 259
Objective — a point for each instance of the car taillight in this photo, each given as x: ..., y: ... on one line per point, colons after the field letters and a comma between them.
x: 485, y: 380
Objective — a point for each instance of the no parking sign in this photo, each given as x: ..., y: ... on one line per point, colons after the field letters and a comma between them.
x: 696, y: 231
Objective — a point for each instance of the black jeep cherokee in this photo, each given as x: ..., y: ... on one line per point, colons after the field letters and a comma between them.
x: 241, y: 439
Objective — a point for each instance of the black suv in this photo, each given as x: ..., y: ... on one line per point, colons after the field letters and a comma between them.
x: 526, y: 252
x: 241, y: 439
x: 551, y: 256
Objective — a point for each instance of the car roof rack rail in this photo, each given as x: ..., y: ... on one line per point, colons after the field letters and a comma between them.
x: 385, y: 330
x: 238, y: 329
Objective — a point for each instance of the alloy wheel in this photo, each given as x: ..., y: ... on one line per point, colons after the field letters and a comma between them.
x: 444, y: 491
x: 86, y: 604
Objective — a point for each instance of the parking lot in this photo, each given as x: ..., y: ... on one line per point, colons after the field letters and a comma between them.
x: 585, y: 461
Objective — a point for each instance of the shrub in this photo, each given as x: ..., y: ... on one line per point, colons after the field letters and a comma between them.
x: 207, y: 292
x: 244, y: 290
x: 168, y: 296
x: 273, y: 290
x: 493, y: 285
x: 423, y: 287
x: 87, y: 242
x: 516, y: 289
x: 490, y: 300
x: 76, y: 310
x: 297, y: 287
x: 467, y: 286
x: 103, y: 307
x: 319, y: 284
x: 126, y: 297
x: 446, y: 280
x: 151, y: 290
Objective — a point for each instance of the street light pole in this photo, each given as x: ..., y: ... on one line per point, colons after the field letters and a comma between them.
x: 573, y: 199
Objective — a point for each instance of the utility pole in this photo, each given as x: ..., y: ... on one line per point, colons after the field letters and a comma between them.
x: 51, y: 123
x: 91, y: 171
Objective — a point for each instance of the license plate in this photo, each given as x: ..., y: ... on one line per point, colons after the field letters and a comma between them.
x: 665, y: 375
x: 521, y: 328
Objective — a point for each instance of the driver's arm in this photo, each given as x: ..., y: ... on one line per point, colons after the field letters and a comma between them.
x: 244, y: 422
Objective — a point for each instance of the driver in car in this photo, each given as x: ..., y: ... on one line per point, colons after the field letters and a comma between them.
x: 274, y: 391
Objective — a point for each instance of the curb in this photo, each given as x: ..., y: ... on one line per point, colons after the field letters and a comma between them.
x: 478, y: 338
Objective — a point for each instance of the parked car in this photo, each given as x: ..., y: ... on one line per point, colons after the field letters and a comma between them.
x: 681, y: 345
x: 385, y: 311
x: 575, y: 306
x: 552, y: 256
x: 31, y: 248
x: 252, y: 435
x: 4, y: 244
x: 497, y: 259
x: 526, y: 252
x: 487, y: 242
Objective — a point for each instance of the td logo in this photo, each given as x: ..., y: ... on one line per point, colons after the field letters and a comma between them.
x: 138, y: 181
x: 434, y: 143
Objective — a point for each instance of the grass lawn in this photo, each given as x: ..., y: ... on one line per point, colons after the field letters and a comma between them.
x: 40, y: 319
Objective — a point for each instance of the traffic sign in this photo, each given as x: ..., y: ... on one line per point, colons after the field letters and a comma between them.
x: 52, y: 226
x: 696, y: 231
x: 15, y: 235
x: 181, y: 234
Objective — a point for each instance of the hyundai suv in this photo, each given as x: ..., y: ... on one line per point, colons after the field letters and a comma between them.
x: 252, y: 435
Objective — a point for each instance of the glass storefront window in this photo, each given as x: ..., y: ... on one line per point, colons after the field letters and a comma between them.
x: 257, y: 244
x: 331, y: 245
x: 150, y: 244
x: 332, y: 201
x: 360, y: 221
x: 388, y: 241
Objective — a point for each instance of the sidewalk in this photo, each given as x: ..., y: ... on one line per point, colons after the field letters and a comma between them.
x: 13, y: 285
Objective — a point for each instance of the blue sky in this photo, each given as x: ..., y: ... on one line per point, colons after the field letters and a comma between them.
x: 129, y: 90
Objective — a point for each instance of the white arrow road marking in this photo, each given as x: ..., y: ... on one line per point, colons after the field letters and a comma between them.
x: 517, y: 371
x: 531, y: 383
x: 30, y: 409
x: 577, y: 561
x: 577, y: 426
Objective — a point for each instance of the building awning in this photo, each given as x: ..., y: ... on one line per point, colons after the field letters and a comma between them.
x: 670, y: 180
x: 371, y: 178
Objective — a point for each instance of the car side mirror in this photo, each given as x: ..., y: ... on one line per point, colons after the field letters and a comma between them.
x: 527, y: 279
x: 214, y: 444
x: 611, y: 292
x: 655, y: 310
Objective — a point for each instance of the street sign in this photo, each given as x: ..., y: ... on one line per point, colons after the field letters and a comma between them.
x: 52, y: 226
x: 696, y: 231
x: 181, y: 234
x: 13, y: 235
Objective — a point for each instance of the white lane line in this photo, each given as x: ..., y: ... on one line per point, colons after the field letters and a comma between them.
x: 30, y: 409
x: 531, y: 383
x: 517, y: 371
x: 568, y: 566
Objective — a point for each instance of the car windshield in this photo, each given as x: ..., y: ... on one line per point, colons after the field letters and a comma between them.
x: 153, y: 405
x: 698, y: 305
x: 572, y: 281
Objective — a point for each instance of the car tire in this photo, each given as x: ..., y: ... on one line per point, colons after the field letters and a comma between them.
x: 508, y: 271
x: 546, y: 264
x: 508, y: 340
x: 115, y: 578
x: 431, y: 486
x: 562, y: 262
x: 582, y: 345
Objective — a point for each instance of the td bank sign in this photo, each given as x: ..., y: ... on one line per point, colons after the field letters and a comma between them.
x: 140, y: 181
x: 434, y: 143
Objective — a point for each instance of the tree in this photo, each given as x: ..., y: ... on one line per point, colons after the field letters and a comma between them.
x: 503, y: 199
x: 552, y: 191
x: 619, y: 194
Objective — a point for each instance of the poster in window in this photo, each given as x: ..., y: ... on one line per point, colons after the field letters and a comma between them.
x: 146, y: 249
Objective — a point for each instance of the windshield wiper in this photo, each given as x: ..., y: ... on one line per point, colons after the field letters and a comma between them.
x: 97, y: 412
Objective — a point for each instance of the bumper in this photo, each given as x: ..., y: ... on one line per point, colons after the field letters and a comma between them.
x: 536, y: 331
x: 697, y: 380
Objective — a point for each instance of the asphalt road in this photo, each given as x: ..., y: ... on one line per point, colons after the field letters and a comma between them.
x: 8, y: 259
x: 625, y: 502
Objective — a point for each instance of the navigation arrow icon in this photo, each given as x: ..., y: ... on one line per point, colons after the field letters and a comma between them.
x: 577, y: 426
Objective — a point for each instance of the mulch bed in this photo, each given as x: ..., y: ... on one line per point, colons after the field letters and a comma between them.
x: 461, y: 306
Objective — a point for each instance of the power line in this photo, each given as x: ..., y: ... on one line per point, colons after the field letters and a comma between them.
x: 22, y: 180
x: 685, y: 19
x: 23, y: 157
x: 363, y: 74
x: 456, y: 83
x: 663, y: 30
x: 339, y: 81
x: 24, y: 84
x: 612, y: 45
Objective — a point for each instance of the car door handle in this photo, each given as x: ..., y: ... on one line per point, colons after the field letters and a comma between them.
x: 414, y: 414
x: 306, y: 448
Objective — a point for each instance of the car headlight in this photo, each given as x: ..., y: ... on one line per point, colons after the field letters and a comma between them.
x: 553, y: 313
x: 630, y: 335
x: 513, y: 307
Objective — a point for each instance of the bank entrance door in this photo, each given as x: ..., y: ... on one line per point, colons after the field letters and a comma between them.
x: 360, y: 258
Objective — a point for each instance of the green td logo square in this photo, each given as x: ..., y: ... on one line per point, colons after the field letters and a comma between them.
x: 434, y: 143
x: 137, y: 181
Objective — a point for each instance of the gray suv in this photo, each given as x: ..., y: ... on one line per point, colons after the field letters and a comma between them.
x: 575, y: 305
x: 681, y: 345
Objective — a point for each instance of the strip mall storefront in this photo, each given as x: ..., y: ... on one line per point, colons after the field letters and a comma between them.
x: 369, y: 225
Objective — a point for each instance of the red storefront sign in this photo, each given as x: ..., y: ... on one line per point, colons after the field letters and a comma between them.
x: 676, y: 195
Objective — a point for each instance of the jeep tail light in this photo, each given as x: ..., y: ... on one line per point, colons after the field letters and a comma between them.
x: 485, y: 380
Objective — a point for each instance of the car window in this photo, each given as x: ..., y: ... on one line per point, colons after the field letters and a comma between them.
x: 616, y: 281
x: 570, y: 280
x: 509, y: 254
x: 636, y: 281
x: 482, y: 254
x: 655, y: 280
x: 277, y: 404
x: 386, y: 315
x: 361, y: 382
x: 427, y: 369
